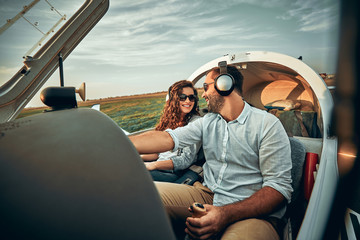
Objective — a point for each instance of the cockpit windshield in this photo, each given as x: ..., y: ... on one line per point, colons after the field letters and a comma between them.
x: 25, y: 26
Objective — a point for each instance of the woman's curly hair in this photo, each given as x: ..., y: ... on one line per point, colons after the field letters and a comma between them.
x: 171, y: 116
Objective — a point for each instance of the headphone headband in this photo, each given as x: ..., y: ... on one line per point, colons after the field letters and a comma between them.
x: 223, y: 67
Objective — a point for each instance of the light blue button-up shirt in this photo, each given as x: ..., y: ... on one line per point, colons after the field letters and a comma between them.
x: 183, y: 157
x: 242, y: 156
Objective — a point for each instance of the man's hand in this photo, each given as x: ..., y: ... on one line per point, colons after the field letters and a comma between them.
x: 207, y: 226
x: 261, y: 203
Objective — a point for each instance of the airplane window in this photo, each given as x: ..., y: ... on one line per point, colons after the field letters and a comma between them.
x: 25, y: 26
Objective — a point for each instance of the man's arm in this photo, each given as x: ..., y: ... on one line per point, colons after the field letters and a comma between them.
x: 152, y: 142
x: 261, y: 203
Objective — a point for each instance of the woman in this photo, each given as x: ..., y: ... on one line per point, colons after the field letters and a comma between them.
x: 181, y: 107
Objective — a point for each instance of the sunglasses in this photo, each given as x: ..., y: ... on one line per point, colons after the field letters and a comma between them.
x: 183, y: 97
x: 206, y: 86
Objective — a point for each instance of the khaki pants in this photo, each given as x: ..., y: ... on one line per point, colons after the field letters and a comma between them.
x: 178, y: 197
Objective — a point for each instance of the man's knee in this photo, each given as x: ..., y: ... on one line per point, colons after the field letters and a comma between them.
x: 177, y: 198
x: 182, y: 195
x: 250, y: 229
x: 172, y: 194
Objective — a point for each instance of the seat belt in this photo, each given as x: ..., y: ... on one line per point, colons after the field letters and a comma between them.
x: 304, y: 132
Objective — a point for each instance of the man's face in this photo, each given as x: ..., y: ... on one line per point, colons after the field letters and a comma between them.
x: 213, y: 99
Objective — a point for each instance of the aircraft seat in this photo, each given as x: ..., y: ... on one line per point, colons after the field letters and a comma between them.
x: 296, y: 209
x: 73, y: 174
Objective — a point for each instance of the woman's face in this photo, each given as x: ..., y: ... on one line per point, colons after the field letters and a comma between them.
x: 187, y: 105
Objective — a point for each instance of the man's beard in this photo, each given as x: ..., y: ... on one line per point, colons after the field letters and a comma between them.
x: 216, y: 103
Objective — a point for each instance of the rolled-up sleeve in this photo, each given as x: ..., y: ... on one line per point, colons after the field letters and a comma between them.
x: 187, y: 135
x: 174, y: 137
x: 275, y: 158
x: 187, y: 157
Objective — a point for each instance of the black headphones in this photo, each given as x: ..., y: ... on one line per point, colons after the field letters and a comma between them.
x: 169, y: 95
x: 224, y: 83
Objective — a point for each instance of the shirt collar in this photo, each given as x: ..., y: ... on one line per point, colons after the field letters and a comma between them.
x: 244, y: 114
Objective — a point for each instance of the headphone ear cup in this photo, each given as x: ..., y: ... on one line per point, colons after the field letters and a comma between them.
x: 224, y: 84
x: 169, y: 95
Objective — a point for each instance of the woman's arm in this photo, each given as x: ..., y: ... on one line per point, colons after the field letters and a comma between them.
x: 149, y: 157
x: 160, y: 165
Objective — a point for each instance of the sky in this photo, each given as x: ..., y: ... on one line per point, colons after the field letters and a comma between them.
x: 143, y: 46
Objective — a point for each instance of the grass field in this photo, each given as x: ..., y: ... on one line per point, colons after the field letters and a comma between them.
x: 132, y: 113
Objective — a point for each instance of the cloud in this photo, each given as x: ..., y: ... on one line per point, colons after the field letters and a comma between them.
x: 8, y: 71
x: 313, y: 16
x: 142, y: 36
x: 148, y: 33
x: 151, y: 33
x: 176, y: 36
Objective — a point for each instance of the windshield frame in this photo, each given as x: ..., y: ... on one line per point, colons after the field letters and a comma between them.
x: 37, y: 69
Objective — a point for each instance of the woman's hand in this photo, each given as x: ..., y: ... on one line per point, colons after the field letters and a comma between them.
x: 160, y: 165
x: 151, y: 165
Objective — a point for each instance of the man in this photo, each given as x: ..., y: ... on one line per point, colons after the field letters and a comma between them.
x: 247, y: 174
